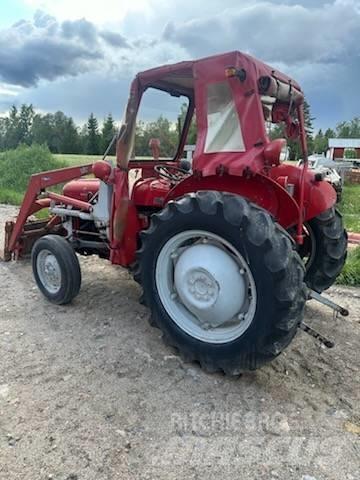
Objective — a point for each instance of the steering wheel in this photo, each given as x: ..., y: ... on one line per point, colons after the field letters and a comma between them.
x: 165, y: 171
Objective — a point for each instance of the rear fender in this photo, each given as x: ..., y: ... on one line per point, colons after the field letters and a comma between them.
x: 318, y: 195
x: 259, y: 189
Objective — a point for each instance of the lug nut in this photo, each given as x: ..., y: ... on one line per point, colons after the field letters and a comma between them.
x: 242, y: 271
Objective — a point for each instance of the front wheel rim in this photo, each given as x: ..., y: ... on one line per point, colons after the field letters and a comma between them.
x: 49, y: 271
x: 206, y: 286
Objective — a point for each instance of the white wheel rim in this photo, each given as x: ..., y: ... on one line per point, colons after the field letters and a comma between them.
x: 206, y: 286
x: 49, y: 271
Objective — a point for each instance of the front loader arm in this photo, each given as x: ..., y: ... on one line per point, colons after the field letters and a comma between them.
x: 37, y: 184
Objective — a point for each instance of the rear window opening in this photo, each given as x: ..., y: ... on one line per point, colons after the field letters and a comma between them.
x: 224, y: 131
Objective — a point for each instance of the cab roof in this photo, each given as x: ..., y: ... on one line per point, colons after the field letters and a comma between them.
x: 179, y: 78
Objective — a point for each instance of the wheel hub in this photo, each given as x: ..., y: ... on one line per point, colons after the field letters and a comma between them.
x: 209, y: 283
x: 201, y: 286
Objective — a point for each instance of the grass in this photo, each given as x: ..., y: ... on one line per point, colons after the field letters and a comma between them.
x: 71, y: 159
x: 350, y: 207
x: 350, y: 274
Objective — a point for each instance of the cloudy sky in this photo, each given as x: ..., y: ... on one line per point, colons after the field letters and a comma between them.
x: 79, y: 56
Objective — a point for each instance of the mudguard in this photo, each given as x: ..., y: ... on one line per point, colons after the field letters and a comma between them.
x: 259, y: 189
x: 267, y: 192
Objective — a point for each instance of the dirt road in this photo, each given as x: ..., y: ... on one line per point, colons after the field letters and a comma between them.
x: 89, y: 391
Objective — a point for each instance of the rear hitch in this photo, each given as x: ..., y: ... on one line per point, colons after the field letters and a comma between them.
x: 318, y: 336
x: 328, y: 303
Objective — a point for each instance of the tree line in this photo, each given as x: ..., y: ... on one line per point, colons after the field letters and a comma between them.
x: 60, y: 133
x: 56, y: 130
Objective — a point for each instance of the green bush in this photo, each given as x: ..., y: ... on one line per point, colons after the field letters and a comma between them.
x: 16, y: 167
x: 350, y: 274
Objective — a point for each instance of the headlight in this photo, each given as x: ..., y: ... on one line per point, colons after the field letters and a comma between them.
x: 276, y: 151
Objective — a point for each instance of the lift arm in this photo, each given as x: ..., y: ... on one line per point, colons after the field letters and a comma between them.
x: 37, y: 184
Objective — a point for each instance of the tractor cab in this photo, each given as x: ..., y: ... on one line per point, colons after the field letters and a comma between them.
x: 232, y: 96
x: 232, y: 99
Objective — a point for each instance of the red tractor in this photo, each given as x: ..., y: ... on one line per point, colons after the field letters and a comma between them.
x: 227, y: 249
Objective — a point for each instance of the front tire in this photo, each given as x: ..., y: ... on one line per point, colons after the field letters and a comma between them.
x: 189, y: 265
x: 56, y: 269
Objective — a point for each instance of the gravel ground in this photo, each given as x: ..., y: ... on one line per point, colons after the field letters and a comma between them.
x: 89, y: 391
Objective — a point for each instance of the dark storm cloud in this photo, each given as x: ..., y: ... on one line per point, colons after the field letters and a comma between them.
x: 317, y: 43
x: 47, y: 49
x: 114, y: 39
x: 276, y: 32
x: 80, y: 29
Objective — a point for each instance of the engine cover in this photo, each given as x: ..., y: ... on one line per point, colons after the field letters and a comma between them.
x: 82, y: 189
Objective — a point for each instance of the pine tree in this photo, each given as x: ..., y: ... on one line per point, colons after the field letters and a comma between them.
x: 12, y: 138
x: 107, y: 134
x: 93, y: 140
x: 26, y: 118
x: 329, y: 133
x: 70, y: 139
x: 320, y: 142
x: 309, y: 127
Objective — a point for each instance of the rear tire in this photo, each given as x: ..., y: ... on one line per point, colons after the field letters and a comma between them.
x: 56, y: 269
x: 326, y: 250
x: 271, y: 261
